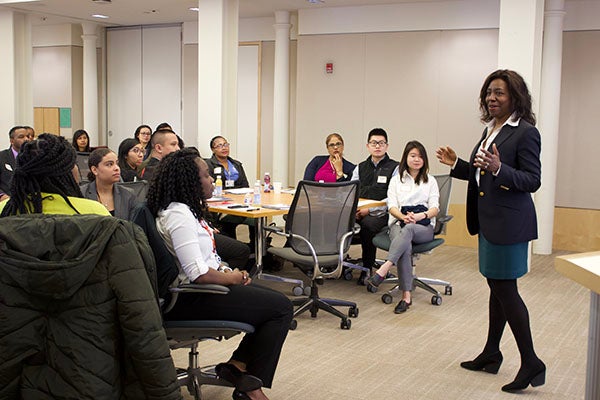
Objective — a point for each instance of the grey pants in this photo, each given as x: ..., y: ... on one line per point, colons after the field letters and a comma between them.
x: 401, y: 249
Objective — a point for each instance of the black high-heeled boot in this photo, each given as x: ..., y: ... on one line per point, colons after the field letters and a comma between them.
x: 527, y: 376
x: 489, y: 363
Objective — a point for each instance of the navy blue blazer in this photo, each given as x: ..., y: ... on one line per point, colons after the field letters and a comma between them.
x: 7, y: 166
x: 501, y: 207
x: 317, y: 162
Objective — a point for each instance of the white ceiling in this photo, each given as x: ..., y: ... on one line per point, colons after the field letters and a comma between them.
x: 145, y: 12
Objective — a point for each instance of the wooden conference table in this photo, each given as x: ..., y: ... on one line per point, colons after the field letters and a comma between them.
x: 272, y: 204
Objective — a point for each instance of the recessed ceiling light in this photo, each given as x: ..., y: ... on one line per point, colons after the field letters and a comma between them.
x: 194, y: 9
x: 101, y: 16
x: 102, y: 1
x: 316, y: 1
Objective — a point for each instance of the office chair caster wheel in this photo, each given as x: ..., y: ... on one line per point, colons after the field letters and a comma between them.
x: 348, y: 275
x: 307, y: 290
x: 345, y: 324
x: 448, y: 290
x: 387, y: 298
x: 293, y: 325
x: 436, y: 300
x: 353, y: 312
x: 298, y: 290
x: 194, y: 388
x: 372, y: 289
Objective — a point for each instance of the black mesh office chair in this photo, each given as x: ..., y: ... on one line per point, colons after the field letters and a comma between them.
x: 382, y: 241
x: 138, y: 188
x: 186, y: 334
x: 319, y: 226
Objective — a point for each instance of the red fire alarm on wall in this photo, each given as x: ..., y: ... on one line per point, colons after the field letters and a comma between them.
x: 329, y: 68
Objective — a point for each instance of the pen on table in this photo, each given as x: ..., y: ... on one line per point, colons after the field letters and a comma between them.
x: 252, y: 209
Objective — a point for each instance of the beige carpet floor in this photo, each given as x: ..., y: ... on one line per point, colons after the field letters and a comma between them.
x: 416, y: 355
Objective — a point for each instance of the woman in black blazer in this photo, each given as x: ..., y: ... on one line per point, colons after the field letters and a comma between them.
x: 503, y: 170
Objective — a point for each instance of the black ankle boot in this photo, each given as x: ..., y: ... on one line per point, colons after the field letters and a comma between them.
x: 489, y: 363
x: 534, y: 376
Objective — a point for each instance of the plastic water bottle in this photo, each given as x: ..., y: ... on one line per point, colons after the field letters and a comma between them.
x: 248, y: 199
x: 218, y: 187
x: 257, y: 190
x: 267, y: 182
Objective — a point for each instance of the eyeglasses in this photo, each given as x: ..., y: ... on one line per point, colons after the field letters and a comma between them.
x: 337, y: 144
x: 221, y: 146
x: 375, y: 143
x: 137, y: 150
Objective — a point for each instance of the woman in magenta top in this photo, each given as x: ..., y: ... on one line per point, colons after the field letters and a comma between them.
x: 332, y: 167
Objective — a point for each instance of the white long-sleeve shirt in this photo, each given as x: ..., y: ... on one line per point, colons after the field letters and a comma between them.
x: 408, y: 193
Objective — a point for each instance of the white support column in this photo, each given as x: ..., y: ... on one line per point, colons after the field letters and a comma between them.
x: 90, y: 81
x: 520, y: 41
x: 16, y: 102
x: 217, y: 71
x: 548, y: 122
x: 281, y: 98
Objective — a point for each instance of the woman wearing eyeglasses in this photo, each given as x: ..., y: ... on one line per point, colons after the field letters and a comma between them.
x: 143, y: 133
x: 330, y: 168
x: 220, y: 164
x: 131, y: 155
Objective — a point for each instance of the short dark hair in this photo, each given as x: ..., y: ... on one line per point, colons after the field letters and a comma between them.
x: 176, y: 180
x: 14, y: 129
x: 212, y: 141
x: 124, y: 148
x: 519, y: 95
x: 377, y: 132
x: 163, y: 125
x: 44, y: 165
x: 422, y: 175
x: 159, y: 135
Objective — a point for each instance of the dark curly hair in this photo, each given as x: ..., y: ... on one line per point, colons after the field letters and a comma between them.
x: 519, y: 95
x: 43, y: 165
x: 176, y: 180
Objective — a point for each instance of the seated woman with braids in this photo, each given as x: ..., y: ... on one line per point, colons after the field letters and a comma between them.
x: 177, y: 197
x: 43, y: 181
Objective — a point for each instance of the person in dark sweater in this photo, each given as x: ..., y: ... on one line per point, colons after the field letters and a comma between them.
x: 374, y: 175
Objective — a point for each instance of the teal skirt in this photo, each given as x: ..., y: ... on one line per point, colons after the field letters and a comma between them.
x: 502, y: 261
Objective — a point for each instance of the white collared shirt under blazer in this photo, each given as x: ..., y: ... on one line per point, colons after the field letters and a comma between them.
x: 406, y: 192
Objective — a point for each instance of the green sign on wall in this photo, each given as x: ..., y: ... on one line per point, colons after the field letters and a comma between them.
x: 65, y: 117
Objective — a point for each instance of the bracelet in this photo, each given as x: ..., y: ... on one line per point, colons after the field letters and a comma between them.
x: 426, y: 216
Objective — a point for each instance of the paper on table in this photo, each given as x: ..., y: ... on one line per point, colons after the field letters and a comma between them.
x: 239, y: 190
x: 218, y: 199
x: 277, y: 206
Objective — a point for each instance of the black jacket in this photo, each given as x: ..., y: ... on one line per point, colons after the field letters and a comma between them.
x: 7, y: 166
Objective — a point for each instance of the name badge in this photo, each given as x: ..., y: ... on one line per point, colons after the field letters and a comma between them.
x: 382, y: 179
x: 218, y: 170
x: 229, y: 183
x: 8, y: 167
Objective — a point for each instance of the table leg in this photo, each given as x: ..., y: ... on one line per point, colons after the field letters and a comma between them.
x: 592, y: 385
x: 259, y: 244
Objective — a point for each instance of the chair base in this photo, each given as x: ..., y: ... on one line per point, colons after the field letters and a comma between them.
x: 314, y: 303
x: 420, y: 282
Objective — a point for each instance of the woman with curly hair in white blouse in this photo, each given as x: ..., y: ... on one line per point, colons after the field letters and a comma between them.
x: 413, y: 203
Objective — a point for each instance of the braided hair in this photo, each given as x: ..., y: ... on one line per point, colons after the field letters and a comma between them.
x: 43, y: 165
x: 176, y: 180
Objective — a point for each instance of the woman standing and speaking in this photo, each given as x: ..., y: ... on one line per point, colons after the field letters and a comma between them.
x: 503, y: 170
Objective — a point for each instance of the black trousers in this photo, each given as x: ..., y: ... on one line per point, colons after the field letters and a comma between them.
x: 270, y: 313
x: 232, y: 251
x: 369, y: 227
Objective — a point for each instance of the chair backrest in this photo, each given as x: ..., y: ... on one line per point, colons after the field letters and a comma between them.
x: 82, y: 165
x: 322, y: 213
x: 139, y: 188
x: 445, y: 186
x: 166, y: 266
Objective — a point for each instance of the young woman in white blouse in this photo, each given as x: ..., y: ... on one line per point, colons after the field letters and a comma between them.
x: 413, y: 203
x: 177, y: 197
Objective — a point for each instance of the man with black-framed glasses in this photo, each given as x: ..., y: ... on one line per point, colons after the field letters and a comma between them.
x: 374, y: 175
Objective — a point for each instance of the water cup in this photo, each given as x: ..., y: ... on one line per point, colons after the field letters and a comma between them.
x: 277, y: 187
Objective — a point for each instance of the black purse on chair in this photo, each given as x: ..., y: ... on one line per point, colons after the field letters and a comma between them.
x: 415, y: 209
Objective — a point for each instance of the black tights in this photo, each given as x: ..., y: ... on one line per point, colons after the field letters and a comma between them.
x: 506, y: 305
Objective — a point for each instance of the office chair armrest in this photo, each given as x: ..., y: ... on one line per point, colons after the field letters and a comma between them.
x: 445, y: 218
x: 209, y: 288
x: 200, y: 288
x: 274, y: 229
